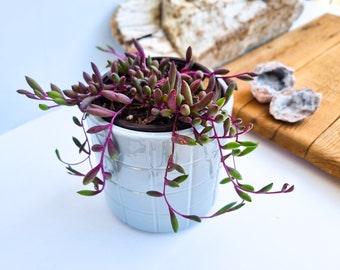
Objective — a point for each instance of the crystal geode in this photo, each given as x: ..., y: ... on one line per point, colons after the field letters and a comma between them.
x: 273, y: 78
x: 274, y: 84
x: 294, y: 105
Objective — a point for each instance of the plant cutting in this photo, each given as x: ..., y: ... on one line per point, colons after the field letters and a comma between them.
x: 181, y: 107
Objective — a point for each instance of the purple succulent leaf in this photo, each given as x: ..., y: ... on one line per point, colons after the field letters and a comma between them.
x: 27, y: 94
x: 172, y: 103
x: 97, y: 148
x: 201, y: 104
x: 91, y: 175
x: 96, y: 129
x: 100, y: 111
x: 85, y: 103
x: 116, y: 97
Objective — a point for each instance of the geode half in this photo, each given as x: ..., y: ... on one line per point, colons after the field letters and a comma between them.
x: 294, y: 105
x: 273, y: 78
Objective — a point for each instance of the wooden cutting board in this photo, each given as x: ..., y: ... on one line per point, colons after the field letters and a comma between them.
x: 313, y: 50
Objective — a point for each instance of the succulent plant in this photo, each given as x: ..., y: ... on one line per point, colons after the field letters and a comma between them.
x: 144, y: 91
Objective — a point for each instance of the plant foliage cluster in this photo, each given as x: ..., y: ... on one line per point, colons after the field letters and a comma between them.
x: 145, y: 90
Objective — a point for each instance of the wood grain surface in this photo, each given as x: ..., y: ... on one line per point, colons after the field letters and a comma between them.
x: 313, y: 50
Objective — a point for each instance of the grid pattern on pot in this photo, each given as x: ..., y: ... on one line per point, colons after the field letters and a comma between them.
x: 139, y: 167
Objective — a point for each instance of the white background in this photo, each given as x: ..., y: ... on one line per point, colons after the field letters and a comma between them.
x: 51, y: 41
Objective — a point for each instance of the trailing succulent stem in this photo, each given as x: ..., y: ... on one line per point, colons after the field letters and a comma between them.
x: 145, y: 90
x: 232, y: 149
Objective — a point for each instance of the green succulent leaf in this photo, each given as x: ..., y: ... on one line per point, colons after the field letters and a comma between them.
x: 38, y: 94
x: 180, y: 179
x: 249, y: 147
x: 60, y: 101
x: 247, y: 187
x: 56, y: 89
x: 243, y: 195
x: 35, y: 86
x: 203, y: 139
x: 193, y: 218
x: 236, y: 207
x: 226, y: 125
x: 154, y: 193
x: 184, y: 140
x: 231, y: 145
x: 249, y: 144
x: 43, y: 107
x: 206, y: 130
x: 246, y: 151
x: 235, y: 152
x: 171, y: 183
x: 225, y: 180
x: 57, y: 153
x: 166, y: 87
x: 88, y: 192
x: 235, y: 173
x: 73, y: 171
x: 224, y: 209
x: 81, y: 146
x: 174, y: 221
x: 186, y: 92
x: 266, y: 188
x: 54, y: 94
x: 77, y: 142
x: 232, y: 131
x: 177, y: 167
x: 76, y: 121
x: 220, y: 102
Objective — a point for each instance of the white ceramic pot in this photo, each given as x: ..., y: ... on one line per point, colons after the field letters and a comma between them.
x: 139, y: 167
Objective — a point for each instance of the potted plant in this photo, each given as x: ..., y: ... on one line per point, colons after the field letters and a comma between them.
x: 160, y: 128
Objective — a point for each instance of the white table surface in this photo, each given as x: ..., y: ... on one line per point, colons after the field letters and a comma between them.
x: 44, y: 224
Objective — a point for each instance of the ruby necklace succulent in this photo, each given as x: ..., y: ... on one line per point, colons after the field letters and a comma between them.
x: 157, y: 91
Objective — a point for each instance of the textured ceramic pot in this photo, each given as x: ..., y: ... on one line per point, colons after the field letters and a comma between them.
x: 139, y: 167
